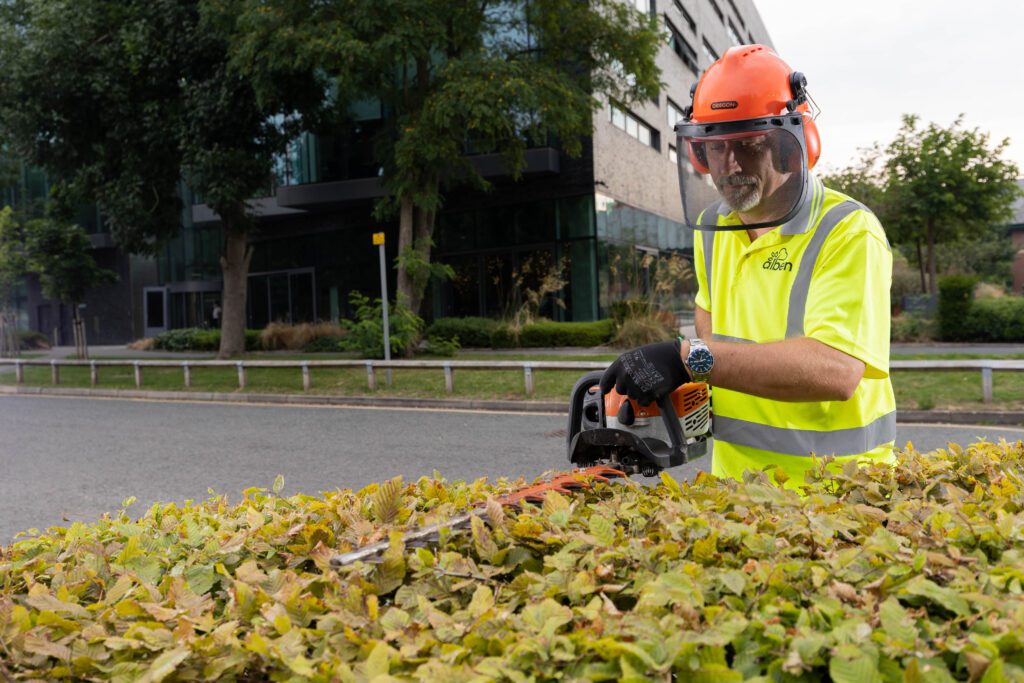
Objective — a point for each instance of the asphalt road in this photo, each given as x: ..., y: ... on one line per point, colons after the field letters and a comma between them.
x: 71, y: 459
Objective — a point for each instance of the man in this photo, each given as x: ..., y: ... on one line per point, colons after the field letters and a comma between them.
x: 793, y: 278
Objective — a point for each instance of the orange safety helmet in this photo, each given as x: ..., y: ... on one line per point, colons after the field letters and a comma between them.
x: 747, y: 83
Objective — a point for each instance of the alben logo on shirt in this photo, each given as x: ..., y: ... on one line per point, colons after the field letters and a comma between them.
x: 777, y: 261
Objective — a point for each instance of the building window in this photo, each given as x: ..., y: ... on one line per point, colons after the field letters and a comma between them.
x: 709, y: 51
x: 675, y: 114
x: 673, y: 156
x: 681, y: 47
x: 718, y: 10
x: 738, y: 15
x: 734, y: 35
x: 686, y: 16
x: 634, y: 127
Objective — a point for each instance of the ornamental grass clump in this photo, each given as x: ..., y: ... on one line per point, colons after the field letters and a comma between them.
x: 910, y: 573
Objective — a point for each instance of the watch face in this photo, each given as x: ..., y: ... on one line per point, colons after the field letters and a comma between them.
x: 701, y: 361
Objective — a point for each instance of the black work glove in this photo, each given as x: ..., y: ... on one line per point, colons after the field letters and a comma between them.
x: 646, y: 373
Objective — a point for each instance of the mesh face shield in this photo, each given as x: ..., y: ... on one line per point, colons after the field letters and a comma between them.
x: 758, y: 166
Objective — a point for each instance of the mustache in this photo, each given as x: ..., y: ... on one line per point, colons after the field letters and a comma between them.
x: 737, y: 179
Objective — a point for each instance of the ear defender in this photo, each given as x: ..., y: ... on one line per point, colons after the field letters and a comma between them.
x: 798, y: 86
x: 695, y: 150
x: 698, y: 156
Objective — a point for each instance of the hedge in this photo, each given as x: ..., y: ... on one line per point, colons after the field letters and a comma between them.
x: 995, y: 320
x: 471, y: 331
x: 956, y: 293
x: 483, y: 332
x: 909, y: 573
x: 544, y: 334
x: 200, y: 339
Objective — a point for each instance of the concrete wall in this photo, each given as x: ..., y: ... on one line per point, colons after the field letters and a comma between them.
x: 639, y: 175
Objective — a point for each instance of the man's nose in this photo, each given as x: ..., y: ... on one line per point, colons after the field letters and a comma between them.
x: 730, y: 159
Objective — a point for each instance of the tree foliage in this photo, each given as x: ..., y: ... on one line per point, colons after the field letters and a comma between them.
x: 13, y: 267
x: 493, y: 76
x: 60, y: 253
x: 120, y: 100
x: 934, y: 186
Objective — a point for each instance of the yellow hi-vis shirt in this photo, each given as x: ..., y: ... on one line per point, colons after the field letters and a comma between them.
x: 826, y: 275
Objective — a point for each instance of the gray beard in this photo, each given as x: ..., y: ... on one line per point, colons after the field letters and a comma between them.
x: 745, y: 202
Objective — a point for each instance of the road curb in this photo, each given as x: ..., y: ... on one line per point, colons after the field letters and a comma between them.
x: 994, y: 417
x: 294, y: 399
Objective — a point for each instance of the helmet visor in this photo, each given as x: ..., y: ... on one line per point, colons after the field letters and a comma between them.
x: 753, y: 176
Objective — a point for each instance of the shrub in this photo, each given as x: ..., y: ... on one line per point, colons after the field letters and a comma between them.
x: 441, y: 346
x: 325, y: 345
x: 366, y: 333
x: 641, y: 330
x: 282, y: 336
x: 630, y: 308
x: 566, y: 334
x: 955, y: 297
x: 144, y: 344
x: 504, y: 336
x: 471, y: 331
x: 995, y: 320
x: 905, y: 573
x: 909, y: 327
x: 200, y: 339
x: 30, y: 340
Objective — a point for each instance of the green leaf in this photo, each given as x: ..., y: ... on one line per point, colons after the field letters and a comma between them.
x: 863, y: 669
x: 946, y: 597
x: 897, y: 624
x: 603, y: 529
x: 164, y: 665
x: 278, y: 483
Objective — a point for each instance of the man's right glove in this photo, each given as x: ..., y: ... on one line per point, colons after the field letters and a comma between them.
x: 646, y: 373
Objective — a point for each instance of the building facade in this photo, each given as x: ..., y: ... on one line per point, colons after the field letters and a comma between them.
x: 601, y: 224
x: 113, y: 314
x: 1016, y: 230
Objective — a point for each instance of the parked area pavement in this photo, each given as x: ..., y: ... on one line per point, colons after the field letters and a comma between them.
x: 72, y: 459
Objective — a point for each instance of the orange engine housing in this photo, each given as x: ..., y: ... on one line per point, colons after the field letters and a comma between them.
x: 687, y: 399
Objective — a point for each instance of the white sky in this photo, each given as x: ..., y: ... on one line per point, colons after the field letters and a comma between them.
x: 868, y: 62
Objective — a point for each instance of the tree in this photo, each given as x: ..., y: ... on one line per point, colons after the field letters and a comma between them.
x: 13, y: 268
x: 120, y: 100
x: 944, y: 185
x: 59, y: 253
x: 500, y: 74
x: 937, y: 190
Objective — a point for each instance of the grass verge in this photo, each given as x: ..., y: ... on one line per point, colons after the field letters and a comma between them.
x: 914, y: 389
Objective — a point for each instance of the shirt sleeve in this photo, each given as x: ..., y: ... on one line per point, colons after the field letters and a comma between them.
x: 703, y: 299
x: 848, y: 305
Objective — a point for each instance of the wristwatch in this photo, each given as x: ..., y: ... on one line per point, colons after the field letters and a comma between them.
x: 700, y: 361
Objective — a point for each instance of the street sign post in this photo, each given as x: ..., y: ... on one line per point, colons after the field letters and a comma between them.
x: 378, y: 239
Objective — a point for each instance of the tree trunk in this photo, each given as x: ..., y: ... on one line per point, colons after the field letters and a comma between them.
x: 422, y: 244
x: 8, y: 334
x: 932, y: 287
x: 921, y: 267
x: 235, y: 265
x: 415, y: 232
x: 406, y: 215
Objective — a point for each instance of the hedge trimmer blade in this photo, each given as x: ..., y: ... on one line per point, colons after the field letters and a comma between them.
x: 430, y: 534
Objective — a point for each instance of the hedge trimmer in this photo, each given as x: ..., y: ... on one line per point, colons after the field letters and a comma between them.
x: 608, y: 437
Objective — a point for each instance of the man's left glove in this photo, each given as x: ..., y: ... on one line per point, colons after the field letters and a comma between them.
x: 646, y: 373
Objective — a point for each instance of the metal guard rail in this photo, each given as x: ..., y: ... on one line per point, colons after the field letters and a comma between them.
x: 986, y: 366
